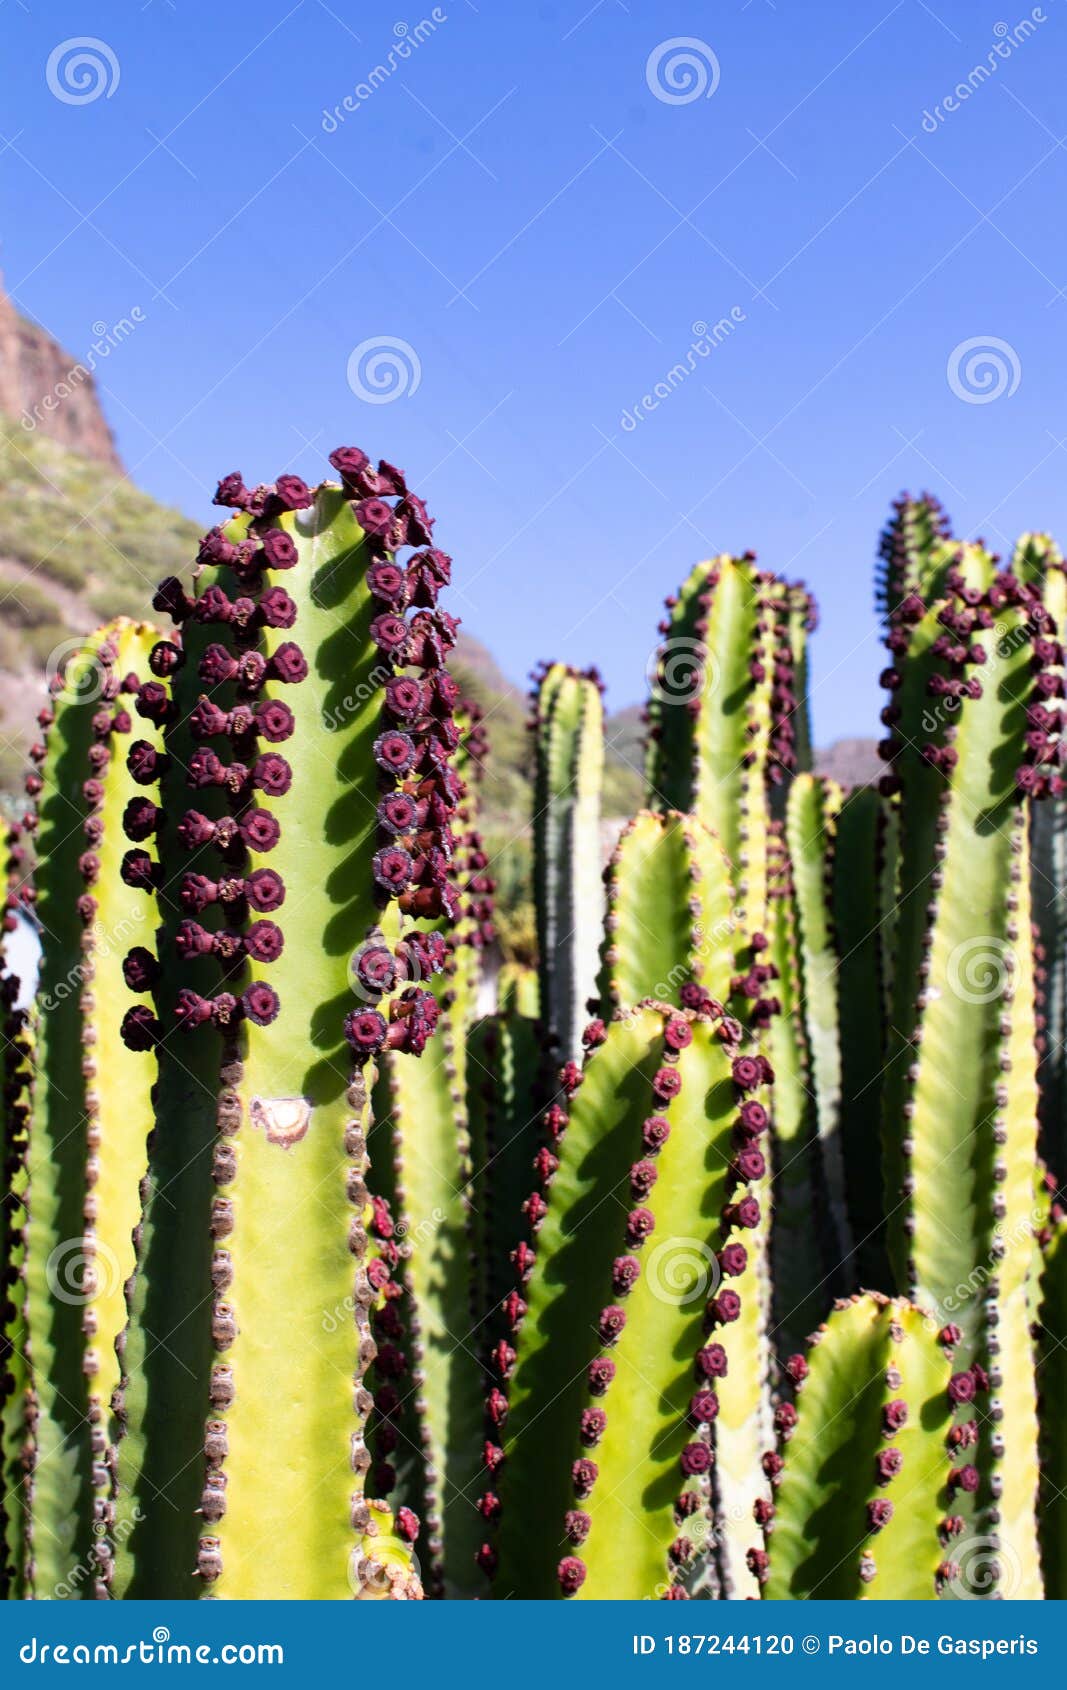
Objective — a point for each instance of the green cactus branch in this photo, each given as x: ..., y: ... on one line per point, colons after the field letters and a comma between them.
x: 861, y: 1475
x: 645, y: 1165
x: 961, y: 1084
x: 568, y: 733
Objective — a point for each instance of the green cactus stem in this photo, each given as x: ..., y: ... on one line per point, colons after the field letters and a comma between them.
x: 912, y: 545
x: 716, y: 733
x: 420, y: 1148
x: 517, y: 988
x: 1052, y: 1381
x: 799, y: 1299
x: 811, y: 835
x: 1038, y: 562
x: 671, y: 919
x: 971, y: 679
x: 861, y: 1474
x: 91, y: 1104
x: 863, y: 906
x: 603, y: 1428
x: 507, y: 1092
x: 568, y: 732
x: 344, y: 830
x: 16, y: 1450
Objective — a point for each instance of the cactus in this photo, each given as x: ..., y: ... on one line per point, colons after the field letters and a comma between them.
x: 645, y: 1166
x: 15, y: 1445
x: 960, y: 1092
x: 568, y: 732
x: 722, y: 709
x: 811, y: 836
x: 912, y: 545
x: 420, y: 1146
x: 864, y: 906
x: 90, y: 1101
x: 1052, y: 1352
x: 671, y: 920
x: 344, y: 1213
x: 862, y: 1473
x: 798, y: 1271
x: 1038, y: 562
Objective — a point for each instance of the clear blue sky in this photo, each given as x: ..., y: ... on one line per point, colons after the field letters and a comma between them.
x: 516, y: 203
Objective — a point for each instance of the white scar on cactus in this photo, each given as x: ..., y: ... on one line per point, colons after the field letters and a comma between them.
x: 284, y: 1120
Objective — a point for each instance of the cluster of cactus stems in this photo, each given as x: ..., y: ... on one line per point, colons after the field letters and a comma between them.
x: 710, y: 1263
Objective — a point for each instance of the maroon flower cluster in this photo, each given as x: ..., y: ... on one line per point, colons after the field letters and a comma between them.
x: 966, y: 644
x: 419, y: 790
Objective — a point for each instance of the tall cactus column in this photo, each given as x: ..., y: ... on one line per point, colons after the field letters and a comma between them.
x: 971, y: 678
x: 568, y: 731
x: 335, y: 834
x: 420, y: 1149
x: 90, y: 1109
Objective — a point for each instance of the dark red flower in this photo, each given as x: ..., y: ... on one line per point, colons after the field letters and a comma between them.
x: 288, y: 663
x: 140, y: 1030
x: 279, y: 549
x: 695, y: 1459
x: 232, y: 491
x: 291, y: 492
x: 265, y: 890
x: 271, y: 774
x: 260, y: 1004
x: 571, y: 1574
x: 274, y: 720
x: 365, y: 1031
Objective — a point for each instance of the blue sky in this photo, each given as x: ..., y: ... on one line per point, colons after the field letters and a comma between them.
x: 516, y: 201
